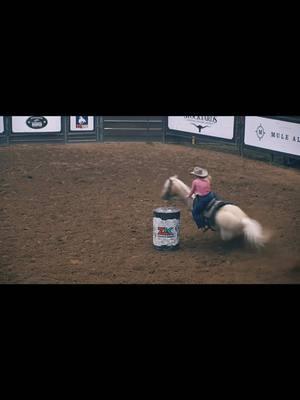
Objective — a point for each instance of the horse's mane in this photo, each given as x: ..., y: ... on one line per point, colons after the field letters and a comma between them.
x: 180, y: 185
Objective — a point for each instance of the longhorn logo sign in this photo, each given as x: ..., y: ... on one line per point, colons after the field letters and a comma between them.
x: 200, y: 127
x: 202, y: 122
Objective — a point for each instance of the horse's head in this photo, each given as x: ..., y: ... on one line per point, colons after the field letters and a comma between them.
x: 167, y: 191
x: 174, y: 188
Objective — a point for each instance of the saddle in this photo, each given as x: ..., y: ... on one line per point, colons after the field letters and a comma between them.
x: 210, y: 211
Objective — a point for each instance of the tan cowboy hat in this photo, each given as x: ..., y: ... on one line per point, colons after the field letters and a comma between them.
x: 201, y: 172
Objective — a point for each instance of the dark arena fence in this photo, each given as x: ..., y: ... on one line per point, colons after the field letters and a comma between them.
x: 271, y: 138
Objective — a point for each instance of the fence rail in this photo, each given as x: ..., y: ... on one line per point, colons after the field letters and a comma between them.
x: 141, y: 128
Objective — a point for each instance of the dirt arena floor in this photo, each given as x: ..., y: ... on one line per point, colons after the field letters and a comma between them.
x: 83, y: 213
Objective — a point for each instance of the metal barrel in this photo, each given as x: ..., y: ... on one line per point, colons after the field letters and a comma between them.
x: 166, y: 224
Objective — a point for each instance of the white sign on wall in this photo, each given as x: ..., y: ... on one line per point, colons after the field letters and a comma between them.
x: 1, y: 124
x: 81, y: 123
x: 221, y: 127
x: 36, y: 124
x: 273, y: 134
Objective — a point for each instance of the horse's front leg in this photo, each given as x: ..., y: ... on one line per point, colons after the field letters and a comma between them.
x: 226, y: 234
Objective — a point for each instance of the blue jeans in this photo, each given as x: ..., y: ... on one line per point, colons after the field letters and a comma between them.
x: 199, y: 204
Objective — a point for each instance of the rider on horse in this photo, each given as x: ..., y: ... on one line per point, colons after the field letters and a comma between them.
x: 201, y: 188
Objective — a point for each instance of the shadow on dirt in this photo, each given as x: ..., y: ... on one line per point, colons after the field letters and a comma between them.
x: 215, y: 243
x: 295, y: 269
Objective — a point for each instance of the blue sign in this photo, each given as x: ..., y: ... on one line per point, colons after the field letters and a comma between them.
x: 82, y: 121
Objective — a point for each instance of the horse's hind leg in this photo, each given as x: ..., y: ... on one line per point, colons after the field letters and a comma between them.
x: 225, y: 234
x: 229, y: 224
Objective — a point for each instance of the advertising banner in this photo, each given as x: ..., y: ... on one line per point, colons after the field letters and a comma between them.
x: 220, y: 127
x: 1, y: 124
x: 273, y: 134
x: 82, y: 123
x: 36, y: 124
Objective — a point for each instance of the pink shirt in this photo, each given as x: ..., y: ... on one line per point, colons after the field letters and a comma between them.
x: 201, y: 187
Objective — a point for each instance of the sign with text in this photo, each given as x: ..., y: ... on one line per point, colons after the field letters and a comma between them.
x: 1, y: 124
x: 220, y: 127
x: 81, y: 123
x: 273, y: 134
x: 34, y: 124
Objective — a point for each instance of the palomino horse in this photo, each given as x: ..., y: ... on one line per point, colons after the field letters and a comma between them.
x: 229, y: 220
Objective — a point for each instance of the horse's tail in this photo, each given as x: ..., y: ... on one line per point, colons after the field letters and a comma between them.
x: 254, y: 233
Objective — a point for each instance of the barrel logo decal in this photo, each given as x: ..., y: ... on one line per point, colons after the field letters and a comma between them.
x: 164, y: 231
